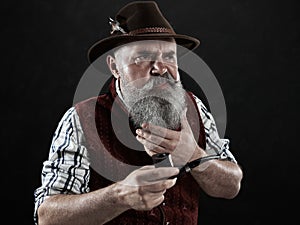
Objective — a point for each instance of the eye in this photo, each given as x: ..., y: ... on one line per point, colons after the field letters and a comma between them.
x: 142, y: 58
x: 170, y: 58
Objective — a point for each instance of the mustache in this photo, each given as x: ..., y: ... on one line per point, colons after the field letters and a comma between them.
x: 156, y: 81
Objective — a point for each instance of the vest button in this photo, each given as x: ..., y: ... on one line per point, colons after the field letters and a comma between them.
x: 164, y: 204
x: 167, y: 223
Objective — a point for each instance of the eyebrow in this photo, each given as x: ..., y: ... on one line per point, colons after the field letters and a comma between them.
x: 169, y: 53
x: 143, y: 52
x: 153, y: 52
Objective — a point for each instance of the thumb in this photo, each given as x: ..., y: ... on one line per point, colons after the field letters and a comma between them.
x: 183, y: 120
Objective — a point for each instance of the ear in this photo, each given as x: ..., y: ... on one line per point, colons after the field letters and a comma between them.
x: 111, y: 62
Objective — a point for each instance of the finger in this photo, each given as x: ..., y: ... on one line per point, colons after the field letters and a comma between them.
x: 152, y: 201
x: 152, y: 191
x: 153, y: 196
x: 157, y: 201
x: 151, y: 146
x: 154, y: 139
x: 150, y: 152
x: 150, y: 136
x: 160, y: 131
x: 147, y: 167
x: 162, y: 173
x: 184, y: 122
x: 160, y: 187
x: 157, y: 175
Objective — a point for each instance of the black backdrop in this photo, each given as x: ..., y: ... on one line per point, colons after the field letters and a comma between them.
x: 251, y: 46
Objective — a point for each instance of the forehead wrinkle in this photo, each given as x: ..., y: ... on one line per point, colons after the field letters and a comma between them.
x: 148, y: 45
x: 156, y: 47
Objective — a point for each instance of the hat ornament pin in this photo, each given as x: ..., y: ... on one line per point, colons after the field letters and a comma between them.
x: 115, y: 26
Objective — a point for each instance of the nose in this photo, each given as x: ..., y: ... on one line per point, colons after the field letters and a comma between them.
x: 158, y: 68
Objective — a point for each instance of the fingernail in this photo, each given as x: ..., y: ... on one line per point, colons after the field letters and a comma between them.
x: 173, y: 181
x: 177, y: 170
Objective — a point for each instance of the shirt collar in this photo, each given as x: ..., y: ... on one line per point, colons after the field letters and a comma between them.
x: 118, y: 90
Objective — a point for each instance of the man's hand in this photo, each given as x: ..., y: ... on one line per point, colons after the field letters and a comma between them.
x: 180, y: 144
x: 144, y: 188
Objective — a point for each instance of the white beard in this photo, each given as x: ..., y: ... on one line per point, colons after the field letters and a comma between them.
x: 159, y: 106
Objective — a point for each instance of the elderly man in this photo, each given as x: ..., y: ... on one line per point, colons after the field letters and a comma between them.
x: 103, y: 167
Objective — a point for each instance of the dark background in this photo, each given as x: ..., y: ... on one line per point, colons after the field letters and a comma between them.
x: 251, y: 46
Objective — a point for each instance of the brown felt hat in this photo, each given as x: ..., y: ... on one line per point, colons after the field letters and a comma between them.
x: 139, y: 20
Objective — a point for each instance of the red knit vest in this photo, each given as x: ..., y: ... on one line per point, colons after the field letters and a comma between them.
x: 112, y: 160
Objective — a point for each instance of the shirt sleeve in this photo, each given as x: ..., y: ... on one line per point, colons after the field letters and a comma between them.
x: 66, y: 171
x: 214, y: 144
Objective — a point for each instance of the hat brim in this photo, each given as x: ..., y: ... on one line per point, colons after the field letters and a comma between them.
x: 109, y: 43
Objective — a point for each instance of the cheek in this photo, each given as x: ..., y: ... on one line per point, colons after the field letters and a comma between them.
x: 136, y: 76
x: 173, y: 70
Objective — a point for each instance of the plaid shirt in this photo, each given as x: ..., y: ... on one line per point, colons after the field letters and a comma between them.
x: 66, y: 171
